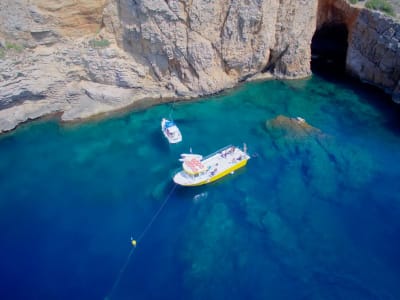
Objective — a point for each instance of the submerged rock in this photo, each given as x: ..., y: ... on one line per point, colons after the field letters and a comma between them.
x: 323, y: 165
x: 293, y: 128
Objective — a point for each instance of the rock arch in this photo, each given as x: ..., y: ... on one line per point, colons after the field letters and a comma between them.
x: 329, y: 48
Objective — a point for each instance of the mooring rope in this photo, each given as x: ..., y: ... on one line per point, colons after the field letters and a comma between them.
x: 125, y: 265
x: 157, y: 213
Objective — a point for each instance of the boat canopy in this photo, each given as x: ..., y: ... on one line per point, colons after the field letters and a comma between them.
x: 193, y: 166
x: 169, y: 123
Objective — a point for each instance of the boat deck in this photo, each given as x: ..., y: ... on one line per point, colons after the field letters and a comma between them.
x: 223, y: 160
x: 216, y: 165
x: 171, y: 131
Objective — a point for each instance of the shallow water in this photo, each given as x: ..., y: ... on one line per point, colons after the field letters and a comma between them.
x: 309, y: 217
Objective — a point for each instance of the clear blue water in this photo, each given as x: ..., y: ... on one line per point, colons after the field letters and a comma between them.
x: 309, y: 217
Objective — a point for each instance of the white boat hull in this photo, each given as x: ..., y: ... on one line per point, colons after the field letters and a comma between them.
x: 171, y: 132
x: 223, y: 162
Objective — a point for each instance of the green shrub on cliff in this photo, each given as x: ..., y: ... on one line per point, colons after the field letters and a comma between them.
x: 353, y: 1
x: 13, y: 47
x: 9, y: 48
x: 99, y: 43
x: 381, y: 5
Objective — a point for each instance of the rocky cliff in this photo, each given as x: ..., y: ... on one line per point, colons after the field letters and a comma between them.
x: 374, y: 51
x: 82, y: 58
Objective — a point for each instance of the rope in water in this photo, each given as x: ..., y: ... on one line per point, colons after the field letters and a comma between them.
x: 125, y: 265
x: 171, y: 111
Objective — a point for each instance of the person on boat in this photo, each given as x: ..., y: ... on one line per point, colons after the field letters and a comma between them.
x: 169, y: 133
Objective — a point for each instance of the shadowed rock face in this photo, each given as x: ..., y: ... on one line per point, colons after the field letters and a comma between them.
x: 374, y: 51
x: 373, y: 43
x: 330, y: 41
x: 329, y: 48
x: 336, y: 12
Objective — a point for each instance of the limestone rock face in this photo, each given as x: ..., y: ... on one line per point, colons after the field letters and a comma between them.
x: 45, y: 22
x: 296, y: 21
x: 374, y: 51
x: 154, y: 50
x: 373, y: 43
x: 336, y: 11
x: 72, y: 17
x: 72, y: 79
x: 211, y: 45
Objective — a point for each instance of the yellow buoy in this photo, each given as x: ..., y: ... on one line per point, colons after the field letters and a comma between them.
x: 133, y: 243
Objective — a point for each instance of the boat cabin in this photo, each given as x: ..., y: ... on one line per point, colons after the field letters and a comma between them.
x: 193, y: 167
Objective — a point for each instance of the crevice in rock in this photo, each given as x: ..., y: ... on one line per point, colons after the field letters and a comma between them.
x: 149, y: 63
x: 20, y: 98
x: 258, y: 26
x: 221, y: 34
x: 274, y: 57
x: 329, y: 48
x: 186, y: 10
x: 172, y: 11
x: 190, y: 65
x: 43, y: 34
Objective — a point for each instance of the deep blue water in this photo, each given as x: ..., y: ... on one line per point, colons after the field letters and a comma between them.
x: 312, y: 216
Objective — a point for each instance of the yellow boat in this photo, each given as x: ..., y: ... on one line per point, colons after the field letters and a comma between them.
x: 211, y: 168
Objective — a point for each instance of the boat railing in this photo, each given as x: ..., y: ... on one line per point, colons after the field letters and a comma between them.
x: 218, y: 151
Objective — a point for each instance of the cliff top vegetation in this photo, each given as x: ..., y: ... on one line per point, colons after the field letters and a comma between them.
x: 390, y: 7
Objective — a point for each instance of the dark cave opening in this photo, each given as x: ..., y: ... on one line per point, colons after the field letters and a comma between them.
x: 329, y: 49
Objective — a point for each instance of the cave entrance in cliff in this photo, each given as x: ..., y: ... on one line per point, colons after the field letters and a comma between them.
x: 329, y: 48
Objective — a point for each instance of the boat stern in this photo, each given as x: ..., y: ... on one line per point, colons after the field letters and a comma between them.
x: 181, y: 178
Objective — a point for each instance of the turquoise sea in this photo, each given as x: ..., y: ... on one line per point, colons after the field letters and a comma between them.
x: 315, y: 214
